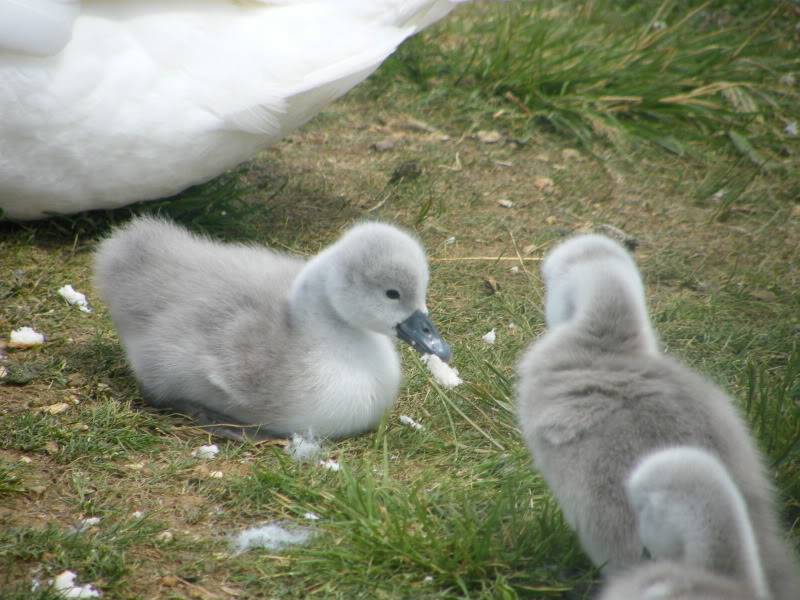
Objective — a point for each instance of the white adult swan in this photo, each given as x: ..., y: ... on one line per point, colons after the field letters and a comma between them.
x: 106, y: 102
x: 595, y: 394
x: 241, y: 335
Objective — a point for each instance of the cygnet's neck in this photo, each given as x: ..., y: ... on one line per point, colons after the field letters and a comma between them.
x: 309, y: 303
x: 605, y: 299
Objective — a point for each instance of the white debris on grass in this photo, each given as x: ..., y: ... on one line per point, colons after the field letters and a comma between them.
x: 165, y: 536
x: 311, y: 516
x: 208, y: 452
x: 406, y: 420
x: 490, y: 337
x: 330, y: 464
x: 272, y: 536
x: 216, y: 475
x: 791, y: 129
x: 64, y: 584
x: 428, y: 579
x: 137, y: 514
x: 505, y: 203
x: 303, y: 448
x: 25, y: 337
x: 514, y: 270
x: 451, y: 240
x: 444, y: 374
x: 85, y: 524
x: 75, y: 298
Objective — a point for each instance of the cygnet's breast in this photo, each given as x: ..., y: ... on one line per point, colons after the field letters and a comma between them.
x: 347, y: 390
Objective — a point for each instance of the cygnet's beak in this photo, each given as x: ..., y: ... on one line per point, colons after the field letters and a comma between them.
x: 418, y: 331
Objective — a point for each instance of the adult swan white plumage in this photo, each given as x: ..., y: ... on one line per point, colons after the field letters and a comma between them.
x: 103, y: 103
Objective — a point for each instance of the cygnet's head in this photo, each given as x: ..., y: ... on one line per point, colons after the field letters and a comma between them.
x: 689, y: 510
x: 579, y: 251
x: 378, y: 281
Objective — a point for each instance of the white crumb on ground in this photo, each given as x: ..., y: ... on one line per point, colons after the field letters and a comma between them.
x: 216, y: 475
x: 330, y: 464
x: 443, y: 373
x: 64, y: 584
x: 75, y: 298
x: 303, y: 448
x: 311, y: 516
x: 272, y: 536
x: 137, y: 514
x: 165, y: 536
x: 85, y: 524
x: 791, y: 129
x: 406, y: 420
x: 25, y: 337
x: 207, y: 452
x: 514, y: 269
x: 490, y: 337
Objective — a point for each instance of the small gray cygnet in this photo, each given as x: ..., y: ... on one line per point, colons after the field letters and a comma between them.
x: 262, y: 343
x: 595, y: 394
x: 695, y: 526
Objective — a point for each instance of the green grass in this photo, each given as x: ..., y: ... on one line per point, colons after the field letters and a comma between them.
x: 455, y: 510
x: 664, y: 72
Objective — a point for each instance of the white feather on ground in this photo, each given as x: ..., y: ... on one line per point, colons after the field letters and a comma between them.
x: 272, y: 536
x: 304, y: 448
x: 444, y: 374
x: 330, y: 464
x: 25, y: 337
x: 64, y: 584
x: 75, y: 298
x: 490, y: 337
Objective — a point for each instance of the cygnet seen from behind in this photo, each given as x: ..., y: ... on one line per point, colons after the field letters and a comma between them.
x: 694, y: 524
x: 595, y: 395
x: 237, y: 335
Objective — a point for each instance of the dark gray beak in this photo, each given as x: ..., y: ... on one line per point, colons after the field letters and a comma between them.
x: 418, y: 331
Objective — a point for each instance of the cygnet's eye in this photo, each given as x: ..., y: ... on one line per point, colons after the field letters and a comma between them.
x: 393, y: 294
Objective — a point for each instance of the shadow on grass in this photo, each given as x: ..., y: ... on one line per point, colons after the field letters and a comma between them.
x: 253, y: 202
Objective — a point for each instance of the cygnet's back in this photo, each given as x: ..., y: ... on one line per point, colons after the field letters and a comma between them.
x: 694, y: 523
x: 151, y: 264
x: 595, y: 394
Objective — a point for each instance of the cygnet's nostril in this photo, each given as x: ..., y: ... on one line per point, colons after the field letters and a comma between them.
x: 426, y: 330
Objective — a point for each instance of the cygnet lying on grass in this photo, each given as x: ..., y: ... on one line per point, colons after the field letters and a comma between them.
x: 595, y: 394
x: 694, y: 523
x: 241, y: 335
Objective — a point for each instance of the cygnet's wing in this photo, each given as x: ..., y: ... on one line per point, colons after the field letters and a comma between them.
x: 38, y: 27
x: 198, y: 319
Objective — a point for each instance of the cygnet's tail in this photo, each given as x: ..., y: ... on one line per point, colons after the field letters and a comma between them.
x: 139, y: 268
x: 593, y: 283
x: 690, y: 511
